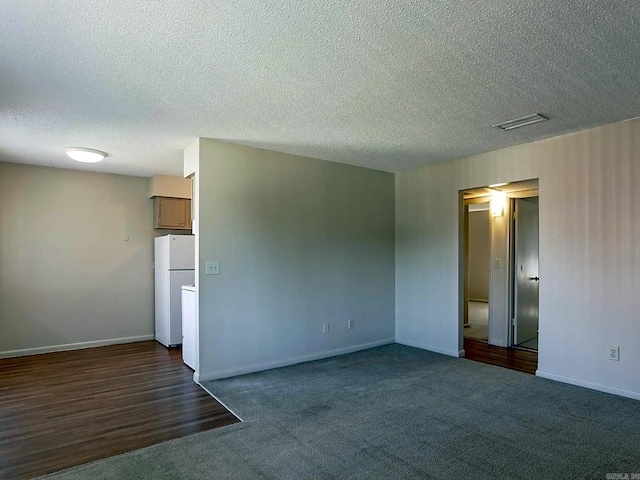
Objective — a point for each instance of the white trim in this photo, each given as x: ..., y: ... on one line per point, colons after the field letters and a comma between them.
x: 288, y: 361
x: 73, y: 346
x: 451, y: 353
x: 216, y: 398
x: 586, y: 384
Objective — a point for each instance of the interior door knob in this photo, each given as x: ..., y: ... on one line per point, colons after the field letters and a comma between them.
x: 534, y: 278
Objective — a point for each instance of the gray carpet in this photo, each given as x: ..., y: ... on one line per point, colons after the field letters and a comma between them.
x: 397, y: 412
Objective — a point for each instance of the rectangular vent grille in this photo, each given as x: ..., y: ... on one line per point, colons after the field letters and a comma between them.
x: 521, y: 122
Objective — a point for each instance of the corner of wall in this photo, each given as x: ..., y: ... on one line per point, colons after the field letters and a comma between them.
x: 191, y: 158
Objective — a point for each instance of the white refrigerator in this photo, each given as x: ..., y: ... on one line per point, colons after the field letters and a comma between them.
x: 174, y: 265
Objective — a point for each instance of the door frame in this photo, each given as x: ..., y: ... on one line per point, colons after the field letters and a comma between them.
x: 501, y: 294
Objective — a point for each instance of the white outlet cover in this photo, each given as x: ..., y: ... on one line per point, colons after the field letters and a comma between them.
x: 613, y: 353
x: 212, y: 267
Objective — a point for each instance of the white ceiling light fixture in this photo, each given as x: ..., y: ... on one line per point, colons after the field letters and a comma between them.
x: 521, y: 122
x: 85, y: 155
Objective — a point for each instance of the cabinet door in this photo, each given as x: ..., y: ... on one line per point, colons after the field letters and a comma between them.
x: 173, y: 213
x: 188, y: 207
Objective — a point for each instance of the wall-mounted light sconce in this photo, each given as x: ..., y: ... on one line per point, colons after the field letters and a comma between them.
x: 498, y: 203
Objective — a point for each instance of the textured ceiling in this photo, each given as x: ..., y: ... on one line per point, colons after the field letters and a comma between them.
x: 385, y: 84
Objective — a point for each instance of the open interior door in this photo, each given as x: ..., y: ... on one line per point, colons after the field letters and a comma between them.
x: 526, y: 270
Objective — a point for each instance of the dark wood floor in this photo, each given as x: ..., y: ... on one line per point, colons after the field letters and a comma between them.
x: 63, y: 409
x: 481, y: 351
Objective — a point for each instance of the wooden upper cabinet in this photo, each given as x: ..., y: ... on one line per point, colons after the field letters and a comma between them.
x: 172, y: 213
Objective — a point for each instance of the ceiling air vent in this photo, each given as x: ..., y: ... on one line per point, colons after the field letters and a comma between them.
x: 521, y: 122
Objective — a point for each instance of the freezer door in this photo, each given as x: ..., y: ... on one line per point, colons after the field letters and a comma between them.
x: 176, y: 280
x: 182, y: 253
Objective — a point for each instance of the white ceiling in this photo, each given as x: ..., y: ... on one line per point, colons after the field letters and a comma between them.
x: 386, y: 84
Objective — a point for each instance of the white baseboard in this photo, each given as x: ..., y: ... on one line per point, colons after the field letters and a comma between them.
x: 584, y: 383
x: 451, y: 353
x: 199, y: 377
x: 73, y: 346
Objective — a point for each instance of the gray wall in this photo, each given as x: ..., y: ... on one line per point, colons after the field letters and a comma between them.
x: 301, y: 242
x: 479, y: 255
x: 589, y: 251
x: 66, y: 274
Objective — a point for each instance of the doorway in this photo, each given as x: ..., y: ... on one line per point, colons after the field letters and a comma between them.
x: 499, y: 277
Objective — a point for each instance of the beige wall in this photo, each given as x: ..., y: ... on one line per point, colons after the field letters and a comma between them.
x: 589, y: 251
x: 479, y: 255
x: 66, y: 274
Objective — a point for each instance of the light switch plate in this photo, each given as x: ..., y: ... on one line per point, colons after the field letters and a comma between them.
x: 212, y: 267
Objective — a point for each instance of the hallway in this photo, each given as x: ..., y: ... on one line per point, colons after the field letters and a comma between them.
x: 478, y: 321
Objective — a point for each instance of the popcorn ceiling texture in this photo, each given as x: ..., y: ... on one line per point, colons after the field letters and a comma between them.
x: 390, y: 85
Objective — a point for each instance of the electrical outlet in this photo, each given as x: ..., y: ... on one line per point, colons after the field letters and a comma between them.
x: 350, y: 324
x: 613, y: 353
x: 325, y: 328
x: 212, y: 267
